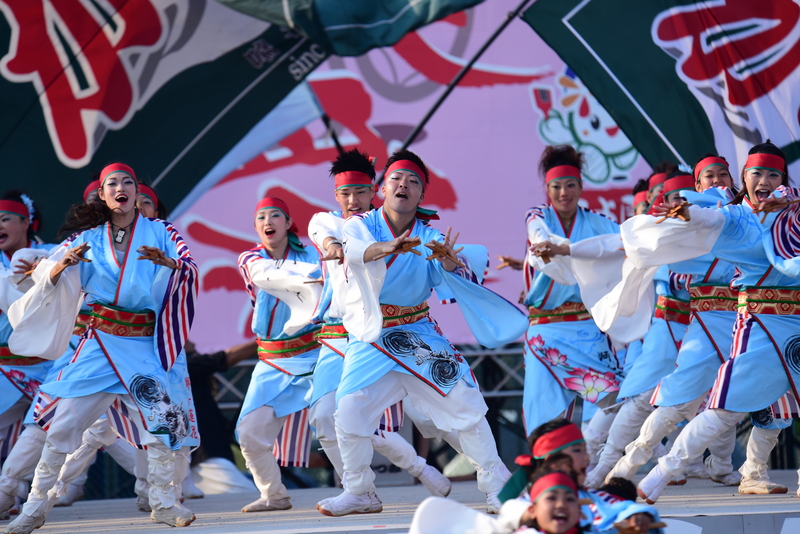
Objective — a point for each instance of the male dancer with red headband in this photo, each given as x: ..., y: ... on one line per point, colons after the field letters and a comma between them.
x: 353, y: 173
x: 396, y: 349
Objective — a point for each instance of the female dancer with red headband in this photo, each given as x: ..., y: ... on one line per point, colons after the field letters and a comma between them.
x: 566, y: 355
x: 764, y: 253
x: 144, y: 308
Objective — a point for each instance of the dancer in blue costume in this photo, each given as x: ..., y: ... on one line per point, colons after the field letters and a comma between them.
x: 762, y: 364
x: 353, y: 173
x: 19, y: 220
x: 566, y: 355
x: 658, y: 354
x: 705, y: 346
x: 396, y: 350
x: 281, y: 277
x: 143, y: 308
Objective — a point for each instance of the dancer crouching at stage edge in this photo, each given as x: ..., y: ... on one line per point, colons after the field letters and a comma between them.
x: 396, y: 349
x: 281, y: 277
x: 131, y: 342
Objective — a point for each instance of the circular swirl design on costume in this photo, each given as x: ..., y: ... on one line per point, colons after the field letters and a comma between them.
x: 791, y: 351
x: 762, y: 418
x: 147, y: 391
x: 402, y: 342
x: 178, y: 424
x: 444, y: 372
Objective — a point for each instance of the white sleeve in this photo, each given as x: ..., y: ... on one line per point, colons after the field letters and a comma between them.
x: 323, y: 226
x: 43, y: 318
x: 292, y: 284
x: 649, y: 244
x: 363, y: 317
x: 559, y: 268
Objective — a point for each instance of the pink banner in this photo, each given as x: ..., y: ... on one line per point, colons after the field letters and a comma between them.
x: 483, y: 147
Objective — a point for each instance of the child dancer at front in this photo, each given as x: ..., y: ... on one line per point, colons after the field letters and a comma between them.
x: 281, y: 277
x: 396, y: 349
x: 139, y: 308
x: 353, y: 173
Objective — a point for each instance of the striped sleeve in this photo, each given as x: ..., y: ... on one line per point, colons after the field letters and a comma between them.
x: 178, y: 307
x: 244, y: 269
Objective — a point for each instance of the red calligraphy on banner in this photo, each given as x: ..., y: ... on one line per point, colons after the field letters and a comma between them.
x: 77, y: 55
x: 753, y: 46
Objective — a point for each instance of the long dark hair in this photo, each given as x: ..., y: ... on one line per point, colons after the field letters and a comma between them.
x: 34, y: 219
x: 762, y: 148
x: 81, y: 217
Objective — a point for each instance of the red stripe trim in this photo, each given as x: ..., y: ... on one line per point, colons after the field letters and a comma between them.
x: 710, y: 338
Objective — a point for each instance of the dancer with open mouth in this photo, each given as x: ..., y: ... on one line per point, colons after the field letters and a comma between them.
x: 138, y: 308
x: 284, y: 281
x: 396, y: 349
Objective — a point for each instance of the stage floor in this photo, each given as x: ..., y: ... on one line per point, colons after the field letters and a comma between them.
x: 699, y: 507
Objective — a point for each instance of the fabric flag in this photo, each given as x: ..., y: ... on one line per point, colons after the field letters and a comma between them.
x: 351, y: 27
x: 166, y: 87
x: 686, y: 78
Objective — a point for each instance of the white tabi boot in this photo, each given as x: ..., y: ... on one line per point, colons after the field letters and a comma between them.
x: 755, y: 479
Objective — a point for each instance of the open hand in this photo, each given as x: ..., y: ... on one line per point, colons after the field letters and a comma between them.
x: 157, y: 256
x: 508, y: 261
x: 399, y: 245
x: 446, y: 252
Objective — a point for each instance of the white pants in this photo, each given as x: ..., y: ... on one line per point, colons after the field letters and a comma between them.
x: 21, y: 462
x: 699, y: 434
x: 258, y: 431
x: 463, y: 410
x: 625, y: 428
x: 16, y: 412
x: 71, y: 418
x: 390, y: 444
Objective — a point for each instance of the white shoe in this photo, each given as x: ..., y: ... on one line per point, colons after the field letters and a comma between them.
x: 268, y: 505
x: 175, y: 516
x: 435, y: 482
x: 349, y: 503
x: 190, y: 490
x: 755, y: 481
x: 493, y: 504
x: 696, y: 469
x: 74, y: 494
x: 143, y: 504
x: 25, y: 524
x: 734, y: 478
x: 653, y: 484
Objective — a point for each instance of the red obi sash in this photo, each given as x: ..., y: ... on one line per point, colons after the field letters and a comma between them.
x: 400, y: 315
x: 674, y: 310
x: 567, y: 312
x: 9, y: 358
x: 274, y: 349
x: 332, y: 331
x: 713, y: 298
x: 770, y: 300
x: 123, y: 323
x: 80, y: 324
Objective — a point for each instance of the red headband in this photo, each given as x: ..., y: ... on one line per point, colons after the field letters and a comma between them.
x: 678, y: 183
x: 639, y: 197
x: 550, y: 482
x: 276, y: 204
x: 406, y: 165
x: 352, y: 178
x: 705, y: 163
x: 148, y: 192
x: 765, y: 161
x: 115, y: 167
x: 556, y: 440
x: 656, y: 179
x: 562, y: 171
x: 17, y: 208
x: 93, y: 186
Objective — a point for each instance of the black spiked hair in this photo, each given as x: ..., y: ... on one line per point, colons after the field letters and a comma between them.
x: 353, y: 160
x: 407, y: 154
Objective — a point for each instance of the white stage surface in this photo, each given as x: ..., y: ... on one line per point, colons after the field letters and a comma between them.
x: 700, y: 507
